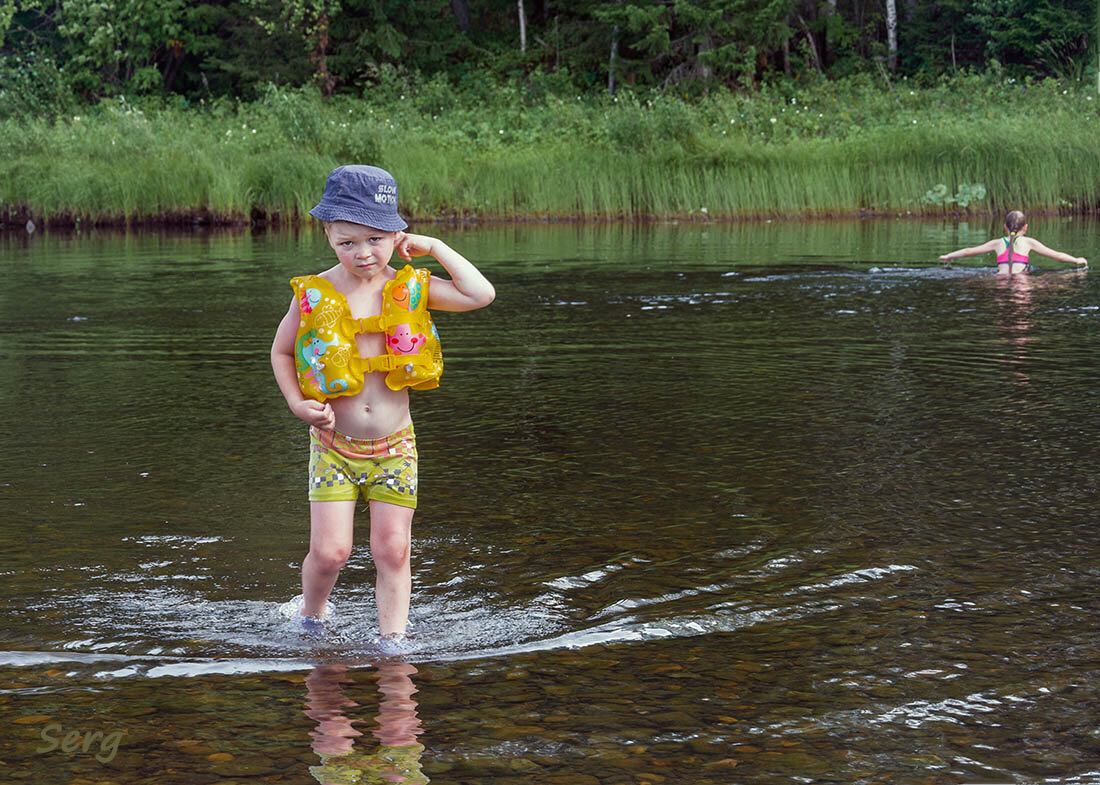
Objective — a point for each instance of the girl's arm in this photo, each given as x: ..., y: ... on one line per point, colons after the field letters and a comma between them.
x: 467, y: 289
x: 987, y: 247
x: 1061, y: 257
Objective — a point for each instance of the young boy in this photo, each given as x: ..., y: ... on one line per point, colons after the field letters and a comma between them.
x: 361, y: 438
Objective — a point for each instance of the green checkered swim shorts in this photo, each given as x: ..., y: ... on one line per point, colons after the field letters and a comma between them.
x: 342, y: 467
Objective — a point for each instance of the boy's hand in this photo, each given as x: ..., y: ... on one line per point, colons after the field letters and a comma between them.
x: 315, y: 413
x: 410, y: 245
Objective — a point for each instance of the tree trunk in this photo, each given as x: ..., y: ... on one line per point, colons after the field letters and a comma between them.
x: 461, y: 13
x: 702, y: 70
x: 810, y: 43
x: 827, y: 43
x: 172, y: 66
x: 522, y: 27
x: 325, y: 80
x: 614, y: 57
x: 892, y: 34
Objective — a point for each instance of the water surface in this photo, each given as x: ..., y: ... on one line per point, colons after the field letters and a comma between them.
x: 700, y: 503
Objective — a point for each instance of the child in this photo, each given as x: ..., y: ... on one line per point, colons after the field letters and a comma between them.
x: 1012, y: 250
x: 353, y: 389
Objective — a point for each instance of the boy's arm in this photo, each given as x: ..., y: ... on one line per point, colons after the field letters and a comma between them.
x: 986, y: 247
x: 1061, y: 257
x: 467, y: 289
x: 286, y: 375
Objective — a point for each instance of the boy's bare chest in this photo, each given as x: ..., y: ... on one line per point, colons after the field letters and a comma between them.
x: 364, y: 304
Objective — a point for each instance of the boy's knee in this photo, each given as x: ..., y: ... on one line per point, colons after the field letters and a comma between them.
x: 392, y: 552
x: 330, y: 559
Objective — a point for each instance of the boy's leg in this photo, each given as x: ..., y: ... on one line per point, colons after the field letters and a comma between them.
x: 331, y: 526
x: 391, y: 547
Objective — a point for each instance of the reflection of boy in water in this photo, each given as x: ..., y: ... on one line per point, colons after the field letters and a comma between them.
x: 397, y: 760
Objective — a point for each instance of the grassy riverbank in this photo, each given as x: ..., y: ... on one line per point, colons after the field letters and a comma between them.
x: 521, y: 151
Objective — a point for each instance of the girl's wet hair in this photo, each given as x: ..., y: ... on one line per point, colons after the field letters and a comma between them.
x: 1015, y: 221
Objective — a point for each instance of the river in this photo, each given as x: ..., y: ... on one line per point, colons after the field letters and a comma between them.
x: 711, y: 503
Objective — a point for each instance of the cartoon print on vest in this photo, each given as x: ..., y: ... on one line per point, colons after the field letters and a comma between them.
x: 414, y: 294
x: 311, y: 348
x: 400, y: 295
x: 309, y: 299
x: 402, y: 340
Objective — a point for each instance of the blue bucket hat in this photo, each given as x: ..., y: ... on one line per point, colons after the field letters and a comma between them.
x: 363, y: 195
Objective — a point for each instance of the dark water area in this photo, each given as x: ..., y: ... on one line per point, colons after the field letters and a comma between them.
x: 755, y: 503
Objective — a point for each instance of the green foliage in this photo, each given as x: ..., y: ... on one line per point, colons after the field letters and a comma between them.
x: 302, y: 119
x: 1037, y: 37
x: 838, y: 146
x: 229, y: 54
x: 659, y: 122
x: 967, y: 193
x: 114, y: 45
x: 301, y: 15
x: 307, y: 20
x: 927, y: 51
x: 705, y: 41
x: 7, y: 13
x: 234, y: 48
x: 31, y: 85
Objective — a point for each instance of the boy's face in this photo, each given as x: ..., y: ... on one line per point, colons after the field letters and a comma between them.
x: 362, y: 251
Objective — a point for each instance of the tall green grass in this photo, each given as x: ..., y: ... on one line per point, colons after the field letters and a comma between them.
x: 834, y: 148
x: 884, y: 171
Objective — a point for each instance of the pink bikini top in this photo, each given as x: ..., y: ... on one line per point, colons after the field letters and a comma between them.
x: 1017, y: 258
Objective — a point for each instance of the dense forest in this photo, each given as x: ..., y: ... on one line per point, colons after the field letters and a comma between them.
x: 53, y: 52
x: 123, y: 111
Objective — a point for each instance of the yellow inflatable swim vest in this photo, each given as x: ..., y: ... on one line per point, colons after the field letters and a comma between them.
x: 325, y: 351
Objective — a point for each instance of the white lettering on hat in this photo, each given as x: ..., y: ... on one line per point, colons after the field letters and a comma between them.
x: 386, y: 194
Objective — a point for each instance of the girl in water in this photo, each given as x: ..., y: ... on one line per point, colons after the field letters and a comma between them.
x: 1012, y: 250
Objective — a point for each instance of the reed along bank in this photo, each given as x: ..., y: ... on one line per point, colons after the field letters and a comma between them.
x: 839, y: 148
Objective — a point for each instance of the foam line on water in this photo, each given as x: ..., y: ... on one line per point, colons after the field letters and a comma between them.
x: 619, y: 631
x: 438, y: 641
x: 154, y: 666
